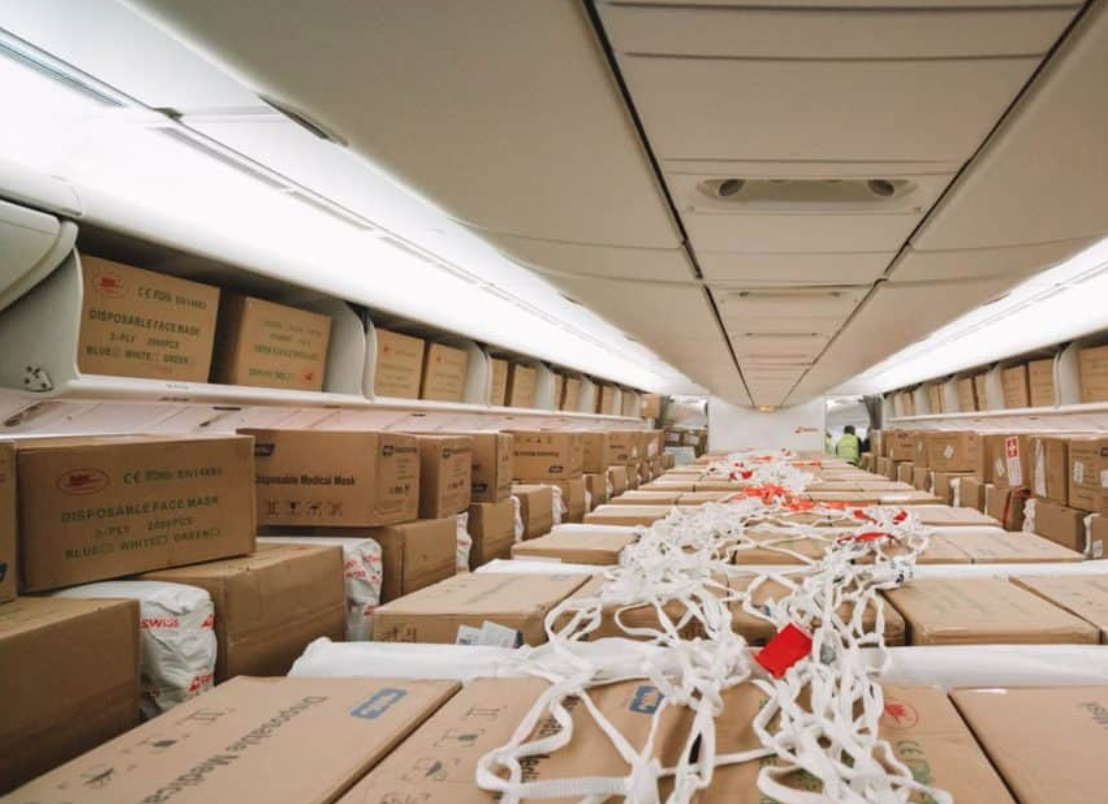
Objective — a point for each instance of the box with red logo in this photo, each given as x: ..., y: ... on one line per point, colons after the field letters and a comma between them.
x: 269, y: 345
x: 96, y: 508
x: 399, y: 365
x: 137, y: 323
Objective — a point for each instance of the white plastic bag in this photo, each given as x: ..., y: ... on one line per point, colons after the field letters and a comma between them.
x: 519, y: 527
x: 177, y: 633
x: 465, y: 542
x: 560, y: 509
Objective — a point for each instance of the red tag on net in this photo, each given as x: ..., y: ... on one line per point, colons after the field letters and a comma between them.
x: 791, y: 644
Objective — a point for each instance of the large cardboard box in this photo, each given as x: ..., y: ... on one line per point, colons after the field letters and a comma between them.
x: 1048, y: 743
x: 1062, y: 525
x: 269, y: 345
x: 627, y: 514
x: 901, y: 445
x: 536, y: 508
x: 9, y: 501
x: 492, y: 526
x: 1004, y: 547
x: 1040, y: 377
x: 984, y: 611
x: 651, y: 406
x: 559, y: 389
x: 606, y: 400
x: 921, y: 478
x: 136, y: 323
x: 629, y: 401
x: 437, y: 764
x: 571, y: 395
x: 967, y: 395
x: 103, y: 507
x: 886, y: 467
x: 596, y: 483
x: 623, y: 447
x: 498, y: 387
x: 269, y: 605
x: 399, y: 367
x: 905, y: 472
x: 1083, y: 596
x: 935, y: 397
x: 445, y: 475
x: 1005, y: 505
x: 492, y: 466
x: 637, y: 621
x: 1005, y: 459
x: 650, y: 497
x: 1088, y: 475
x: 69, y: 680
x: 944, y: 484
x: 578, y: 544
x: 455, y: 611
x: 980, y: 390
x: 335, y: 477
x: 921, y: 726
x: 1017, y: 390
x: 971, y: 493
x: 444, y: 373
x: 573, y: 498
x: 521, y: 386
x: 617, y: 476
x: 597, y: 453
x: 1092, y: 367
x: 251, y: 741
x: 948, y: 450
x: 947, y: 516
x: 547, y: 455
x: 1050, y: 468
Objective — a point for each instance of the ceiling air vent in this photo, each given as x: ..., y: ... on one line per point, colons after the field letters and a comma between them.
x: 759, y: 192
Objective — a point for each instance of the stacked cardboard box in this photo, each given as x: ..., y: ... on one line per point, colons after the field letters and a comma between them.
x: 444, y: 373
x: 536, y: 508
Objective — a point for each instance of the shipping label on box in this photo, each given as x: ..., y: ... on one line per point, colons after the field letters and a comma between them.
x: 1092, y: 365
x: 399, y: 365
x: 259, y: 343
x: 521, y: 386
x: 9, y: 501
x: 444, y: 373
x: 103, y: 507
x: 547, y: 455
x: 334, y: 477
x: 137, y: 323
x: 571, y: 396
x: 498, y: 391
x: 445, y: 475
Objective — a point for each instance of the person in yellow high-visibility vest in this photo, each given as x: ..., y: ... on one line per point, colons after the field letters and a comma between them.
x: 849, y: 447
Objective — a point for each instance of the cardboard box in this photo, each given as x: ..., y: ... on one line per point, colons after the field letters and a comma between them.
x: 1088, y: 475
x: 595, y: 451
x: 536, y: 508
x: 984, y: 611
x: 628, y: 402
x: 617, y: 476
x: 498, y: 390
x: 451, y: 611
x: 269, y: 605
x: 948, y: 450
x: 445, y: 475
x: 103, y: 507
x: 1062, y: 525
x: 980, y: 390
x: 944, y: 483
x: 967, y: 394
x: 444, y: 373
x: 905, y: 472
x: 547, y: 455
x: 920, y: 724
x: 578, y: 544
x: 573, y: 498
x: 637, y: 621
x: 437, y: 765
x: 1082, y: 596
x: 559, y: 390
x: 886, y: 467
x: 901, y: 445
x: 267, y: 345
x: 346, y: 478
x: 627, y: 514
x: 492, y: 526
x: 1092, y: 368
x: 1048, y: 743
x: 69, y: 671
x: 596, y: 484
x: 702, y: 497
x: 399, y: 367
x: 246, y: 742
x: 1005, y: 505
x: 136, y: 323
x: 492, y: 467
x: 971, y: 493
x: 649, y: 497
x: 9, y: 500
x: 521, y: 386
x: 935, y: 397
x: 921, y: 478
x: 1050, y: 468
x: 1017, y: 390
x: 571, y: 395
x: 947, y: 516
x: 623, y: 447
x: 651, y: 406
x: 1005, y: 459
x: 1040, y: 377
x: 606, y: 400
x: 1098, y: 536
x: 1005, y: 547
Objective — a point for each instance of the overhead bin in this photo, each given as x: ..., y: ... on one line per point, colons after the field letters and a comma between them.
x: 791, y: 268
x: 1014, y: 262
x: 547, y: 256
x: 33, y: 244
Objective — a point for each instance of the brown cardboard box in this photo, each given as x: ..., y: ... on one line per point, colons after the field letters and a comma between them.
x: 498, y: 393
x: 573, y: 498
x: 335, y: 477
x: 623, y: 447
x: 1040, y: 377
x: 617, y: 476
x: 921, y: 478
x: 980, y: 390
x: 595, y: 451
x: 1048, y: 743
x: 651, y: 406
x: 559, y: 390
x: 1098, y: 536
x: 1092, y: 368
x: 1005, y: 505
x: 492, y: 466
x: 606, y: 400
x: 536, y: 508
x: 571, y: 396
x: 971, y: 493
x: 492, y: 527
x: 439, y: 613
x: 445, y: 475
x: 886, y: 467
x: 399, y: 366
x: 69, y: 672
x: 943, y: 484
x: 627, y: 514
x: 1062, y: 525
x: 136, y: 323
x: 269, y: 605
x: 1050, y: 468
x: 648, y: 497
x: 596, y: 483
x: 547, y: 455
x: 578, y: 544
x: 437, y: 765
x: 921, y: 726
x: 905, y: 472
x: 948, y: 450
x: 935, y: 397
x: 1088, y: 474
x: 444, y: 373
x: 633, y: 479
x: 269, y: 345
x: 1083, y: 596
x: 629, y: 401
x: 901, y: 445
x: 967, y: 395
x: 1017, y: 390
x: 249, y: 742
x: 947, y: 516
x: 9, y: 572
x: 984, y: 611
x: 637, y: 621
x: 1004, y: 547
x: 702, y: 497
x: 1005, y: 459
x: 521, y: 386
x: 103, y: 507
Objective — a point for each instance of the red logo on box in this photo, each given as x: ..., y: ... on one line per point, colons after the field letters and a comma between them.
x: 899, y: 715
x: 110, y: 284
x: 83, y: 481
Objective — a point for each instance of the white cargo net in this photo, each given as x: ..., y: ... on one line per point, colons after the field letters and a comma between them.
x: 824, y: 702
